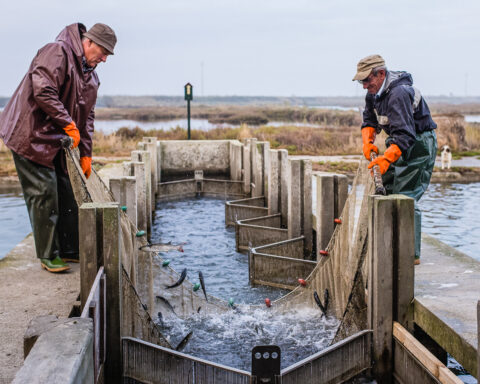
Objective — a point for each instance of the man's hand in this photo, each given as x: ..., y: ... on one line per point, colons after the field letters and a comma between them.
x: 86, y: 164
x: 391, y: 155
x: 368, y: 137
x: 72, y: 131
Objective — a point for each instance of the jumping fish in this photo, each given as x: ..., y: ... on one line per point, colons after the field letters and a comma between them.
x: 180, y: 280
x: 166, y: 302
x: 202, y: 283
x: 319, y: 303
x: 184, y: 342
x: 325, y: 299
x: 160, y: 319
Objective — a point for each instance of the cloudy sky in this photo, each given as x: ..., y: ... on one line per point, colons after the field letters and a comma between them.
x: 256, y: 47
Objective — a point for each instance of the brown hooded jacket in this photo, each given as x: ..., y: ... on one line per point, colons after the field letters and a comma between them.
x: 54, y: 92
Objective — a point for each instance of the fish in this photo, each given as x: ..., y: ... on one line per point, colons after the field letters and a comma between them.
x: 319, y: 303
x: 166, y: 302
x: 180, y: 280
x: 163, y: 247
x: 325, y: 299
x: 202, y: 283
x: 160, y: 319
x: 184, y: 342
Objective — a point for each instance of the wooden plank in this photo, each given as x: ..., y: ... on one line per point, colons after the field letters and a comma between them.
x: 446, y: 337
x: 112, y: 262
x: 422, y: 354
x: 404, y: 254
x: 380, y: 295
x: 88, y: 250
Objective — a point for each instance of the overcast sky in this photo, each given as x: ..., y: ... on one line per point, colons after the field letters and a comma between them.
x: 261, y: 47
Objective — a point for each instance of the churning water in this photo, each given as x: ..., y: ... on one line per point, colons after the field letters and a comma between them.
x: 228, y: 338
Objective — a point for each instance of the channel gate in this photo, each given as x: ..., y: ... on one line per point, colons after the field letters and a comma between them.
x: 346, y: 258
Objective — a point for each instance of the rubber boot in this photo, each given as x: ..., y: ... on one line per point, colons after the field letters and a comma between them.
x: 55, y: 265
x: 67, y: 228
x: 39, y: 186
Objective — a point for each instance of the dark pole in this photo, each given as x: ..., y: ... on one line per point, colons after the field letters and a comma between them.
x: 188, y: 117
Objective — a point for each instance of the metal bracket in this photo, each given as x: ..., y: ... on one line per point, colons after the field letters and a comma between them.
x: 266, y: 364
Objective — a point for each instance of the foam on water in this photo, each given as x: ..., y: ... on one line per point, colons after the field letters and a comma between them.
x: 228, y: 338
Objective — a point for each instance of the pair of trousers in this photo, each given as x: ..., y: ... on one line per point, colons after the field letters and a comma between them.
x: 410, y: 176
x: 51, y: 206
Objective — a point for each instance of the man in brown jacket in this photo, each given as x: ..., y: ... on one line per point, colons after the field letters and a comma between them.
x: 56, y: 98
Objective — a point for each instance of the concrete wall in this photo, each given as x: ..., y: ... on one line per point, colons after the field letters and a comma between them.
x: 63, y: 355
x: 179, y: 157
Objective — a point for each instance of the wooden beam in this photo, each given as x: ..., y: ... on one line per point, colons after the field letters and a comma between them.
x: 423, y: 355
x: 446, y: 337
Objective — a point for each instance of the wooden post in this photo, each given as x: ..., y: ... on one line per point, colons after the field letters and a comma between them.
x: 391, y: 243
x: 137, y: 169
x: 151, y: 146
x: 144, y: 157
x: 380, y: 286
x: 235, y: 160
x: 124, y: 192
x: 89, y: 227
x: 100, y: 244
x: 273, y: 183
x: 247, y: 169
x: 113, y: 270
x: 404, y: 257
x: 331, y: 196
x: 283, y: 185
x: 300, y: 201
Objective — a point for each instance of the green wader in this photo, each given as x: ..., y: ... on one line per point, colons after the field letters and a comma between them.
x: 51, y: 207
x: 410, y: 175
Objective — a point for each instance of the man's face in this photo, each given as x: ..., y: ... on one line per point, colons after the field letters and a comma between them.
x: 94, y: 53
x: 373, y: 83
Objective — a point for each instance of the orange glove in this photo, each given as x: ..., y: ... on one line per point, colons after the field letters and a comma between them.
x: 368, y: 136
x: 86, y: 164
x: 391, y: 155
x: 72, y: 131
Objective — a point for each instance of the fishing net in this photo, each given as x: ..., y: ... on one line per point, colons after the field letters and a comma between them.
x: 341, y: 275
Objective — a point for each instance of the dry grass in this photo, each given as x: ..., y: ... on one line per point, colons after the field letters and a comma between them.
x: 472, y: 136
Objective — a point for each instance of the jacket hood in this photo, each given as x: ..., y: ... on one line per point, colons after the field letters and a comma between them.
x: 71, y: 36
x: 395, y: 78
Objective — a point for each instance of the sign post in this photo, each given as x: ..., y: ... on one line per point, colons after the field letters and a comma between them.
x: 188, y: 97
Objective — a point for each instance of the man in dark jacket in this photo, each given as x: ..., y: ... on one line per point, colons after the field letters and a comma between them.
x: 56, y: 98
x: 396, y: 106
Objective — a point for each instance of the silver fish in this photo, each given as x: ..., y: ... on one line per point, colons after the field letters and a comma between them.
x: 202, y: 283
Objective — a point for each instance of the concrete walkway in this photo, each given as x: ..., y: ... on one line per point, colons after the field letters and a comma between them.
x: 447, y: 286
x: 28, y: 291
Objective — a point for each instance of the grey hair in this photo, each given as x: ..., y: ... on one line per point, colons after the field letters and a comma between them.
x: 381, y: 68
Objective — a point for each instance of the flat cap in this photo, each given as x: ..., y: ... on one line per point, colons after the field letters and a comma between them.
x: 365, y: 66
x: 103, y: 35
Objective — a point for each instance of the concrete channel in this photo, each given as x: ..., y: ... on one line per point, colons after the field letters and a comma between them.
x: 355, y: 252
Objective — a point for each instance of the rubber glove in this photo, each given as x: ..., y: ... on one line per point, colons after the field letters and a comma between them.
x: 86, y: 164
x: 391, y: 155
x: 368, y: 136
x: 72, y: 131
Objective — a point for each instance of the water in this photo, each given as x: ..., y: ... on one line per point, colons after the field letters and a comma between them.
x: 472, y: 118
x: 208, y: 247
x: 228, y: 338
x: 110, y: 126
x: 14, y: 221
x: 449, y: 213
